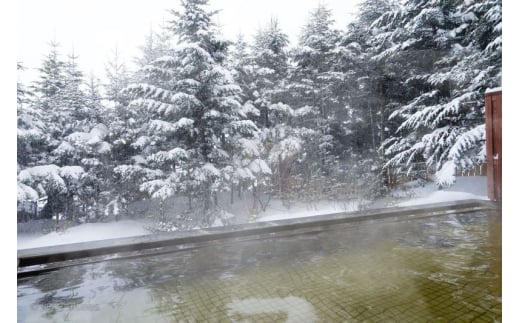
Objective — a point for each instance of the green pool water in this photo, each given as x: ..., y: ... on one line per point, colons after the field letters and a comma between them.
x: 440, y: 269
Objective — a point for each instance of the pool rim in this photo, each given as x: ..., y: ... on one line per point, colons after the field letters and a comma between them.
x: 34, y: 261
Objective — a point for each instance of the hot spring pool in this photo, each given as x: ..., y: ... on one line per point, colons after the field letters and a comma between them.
x: 442, y: 268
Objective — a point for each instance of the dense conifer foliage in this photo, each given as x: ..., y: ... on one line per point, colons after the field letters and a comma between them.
x: 205, y: 123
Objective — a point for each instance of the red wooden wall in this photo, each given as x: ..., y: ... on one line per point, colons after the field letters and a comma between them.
x: 494, y: 144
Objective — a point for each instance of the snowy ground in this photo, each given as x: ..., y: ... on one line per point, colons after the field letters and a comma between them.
x: 277, y: 211
x: 83, y: 232
x: 467, y: 187
x: 410, y: 194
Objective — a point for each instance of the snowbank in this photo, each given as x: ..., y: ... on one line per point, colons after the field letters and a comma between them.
x: 84, y: 232
x: 299, y: 210
x: 442, y: 196
x: 467, y: 187
x: 411, y: 194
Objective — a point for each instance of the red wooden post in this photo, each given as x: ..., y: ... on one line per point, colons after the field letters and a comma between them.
x: 494, y: 143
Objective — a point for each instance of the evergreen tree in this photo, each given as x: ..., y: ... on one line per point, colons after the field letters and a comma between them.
x: 314, y: 75
x: 271, y: 67
x: 453, y: 50
x: 61, y: 97
x: 126, y: 124
x: 73, y: 99
x: 60, y: 140
x: 399, y: 92
x: 82, y: 143
x: 373, y: 88
x: 93, y: 96
x: 315, y: 87
x: 51, y: 75
x: 371, y: 82
x: 32, y: 138
x: 37, y: 132
x: 118, y: 78
x: 23, y: 95
x: 281, y: 140
x: 156, y: 45
x: 242, y: 64
x: 248, y: 170
x: 195, y: 112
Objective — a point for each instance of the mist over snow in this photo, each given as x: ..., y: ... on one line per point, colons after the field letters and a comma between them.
x: 304, y: 114
x: 474, y: 187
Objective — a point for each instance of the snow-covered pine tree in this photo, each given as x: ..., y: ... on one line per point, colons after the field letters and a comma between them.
x: 61, y: 97
x: 74, y: 105
x: 101, y: 162
x: 372, y: 89
x: 248, y: 170
x: 281, y: 141
x: 52, y: 183
x: 48, y: 91
x: 123, y: 169
x: 317, y: 91
x: 156, y: 45
x: 405, y: 38
x: 36, y: 133
x: 82, y: 143
x: 314, y: 80
x: 32, y: 142
x: 63, y: 122
x: 271, y: 67
x: 94, y: 99
x: 125, y: 122
x: 51, y: 75
x: 23, y: 94
x: 118, y: 78
x: 90, y: 151
x: 71, y: 111
x: 242, y: 64
x: 453, y: 50
x: 32, y: 138
x: 93, y: 93
x: 195, y: 110
x: 369, y: 82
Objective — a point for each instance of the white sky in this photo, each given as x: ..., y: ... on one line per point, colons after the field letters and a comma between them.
x: 94, y: 27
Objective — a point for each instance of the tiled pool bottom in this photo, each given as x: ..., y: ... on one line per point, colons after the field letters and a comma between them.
x: 446, y: 268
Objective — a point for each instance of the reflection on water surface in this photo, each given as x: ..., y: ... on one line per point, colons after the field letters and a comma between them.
x: 443, y: 268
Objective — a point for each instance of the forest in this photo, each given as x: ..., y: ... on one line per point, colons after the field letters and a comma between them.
x: 206, y: 123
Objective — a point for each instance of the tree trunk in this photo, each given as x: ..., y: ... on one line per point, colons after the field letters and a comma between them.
x: 255, y: 197
x: 382, y: 103
x: 372, y: 127
x: 232, y: 193
x: 266, y: 117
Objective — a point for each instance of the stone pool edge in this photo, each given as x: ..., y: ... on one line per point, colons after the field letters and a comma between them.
x: 36, y: 260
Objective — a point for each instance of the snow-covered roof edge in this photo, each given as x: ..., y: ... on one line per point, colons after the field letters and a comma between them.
x: 493, y: 90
